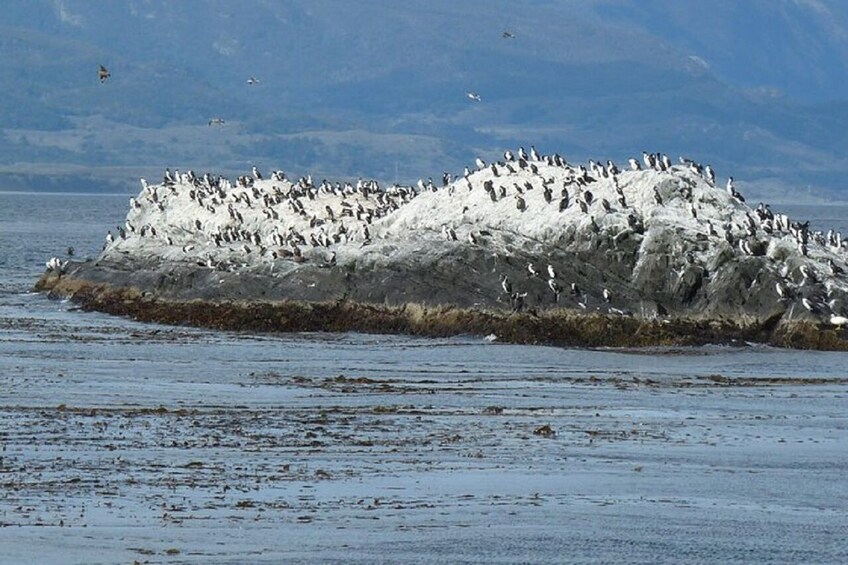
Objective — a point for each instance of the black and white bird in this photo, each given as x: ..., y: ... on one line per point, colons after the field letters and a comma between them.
x: 809, y: 305
x: 253, y: 81
x: 607, y: 296
x: 551, y: 272
x: 473, y: 96
x: 506, y: 285
x: 103, y: 74
x: 809, y: 276
x: 781, y: 289
x: 575, y: 290
x: 710, y: 174
x: 520, y: 203
x: 555, y: 288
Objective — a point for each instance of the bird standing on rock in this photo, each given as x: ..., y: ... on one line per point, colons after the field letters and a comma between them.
x: 520, y: 203
x: 555, y: 288
x: 506, y: 285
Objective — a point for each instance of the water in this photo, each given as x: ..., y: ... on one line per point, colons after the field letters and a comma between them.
x: 125, y: 441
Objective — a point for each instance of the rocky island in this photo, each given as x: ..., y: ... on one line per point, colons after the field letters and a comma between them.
x: 529, y: 249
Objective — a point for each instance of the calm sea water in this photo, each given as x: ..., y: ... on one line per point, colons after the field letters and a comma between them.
x: 732, y: 490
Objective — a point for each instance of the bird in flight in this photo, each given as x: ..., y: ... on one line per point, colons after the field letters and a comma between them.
x: 216, y: 122
x: 508, y: 35
x: 103, y: 74
x: 473, y: 96
x: 252, y: 80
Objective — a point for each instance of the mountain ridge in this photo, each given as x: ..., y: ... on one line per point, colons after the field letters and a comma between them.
x: 339, y: 88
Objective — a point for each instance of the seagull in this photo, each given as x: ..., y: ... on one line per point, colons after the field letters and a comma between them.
x: 607, y: 295
x: 216, y: 122
x: 508, y: 35
x: 103, y: 74
x: 252, y: 81
x: 551, y: 272
x: 473, y: 96
x: 838, y: 320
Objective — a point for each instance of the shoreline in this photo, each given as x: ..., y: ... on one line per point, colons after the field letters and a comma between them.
x: 554, y: 327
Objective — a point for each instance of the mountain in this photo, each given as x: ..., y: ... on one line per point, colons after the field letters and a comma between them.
x: 378, y: 90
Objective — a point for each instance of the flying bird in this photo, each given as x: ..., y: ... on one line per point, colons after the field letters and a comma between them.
x: 103, y: 74
x: 252, y: 80
x: 508, y: 35
x: 216, y: 122
x: 473, y: 96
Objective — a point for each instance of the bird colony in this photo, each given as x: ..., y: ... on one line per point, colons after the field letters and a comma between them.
x: 527, y: 232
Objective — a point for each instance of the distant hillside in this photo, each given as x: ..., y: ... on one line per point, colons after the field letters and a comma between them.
x: 378, y: 89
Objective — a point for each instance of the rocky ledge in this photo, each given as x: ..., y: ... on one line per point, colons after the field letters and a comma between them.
x: 531, y: 249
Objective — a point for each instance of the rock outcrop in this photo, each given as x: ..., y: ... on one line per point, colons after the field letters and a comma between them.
x: 526, y: 235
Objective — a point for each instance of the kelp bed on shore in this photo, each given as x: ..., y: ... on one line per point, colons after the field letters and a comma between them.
x: 559, y: 327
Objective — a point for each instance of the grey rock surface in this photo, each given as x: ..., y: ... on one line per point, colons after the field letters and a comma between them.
x: 657, y: 241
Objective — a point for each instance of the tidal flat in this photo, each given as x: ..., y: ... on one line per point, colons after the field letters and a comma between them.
x: 127, y: 442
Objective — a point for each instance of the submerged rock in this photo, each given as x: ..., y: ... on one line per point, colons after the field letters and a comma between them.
x: 512, y: 237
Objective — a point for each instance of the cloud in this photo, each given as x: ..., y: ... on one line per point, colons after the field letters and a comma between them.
x: 66, y: 17
x: 699, y: 61
x: 226, y: 47
x: 825, y: 16
x: 815, y: 5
